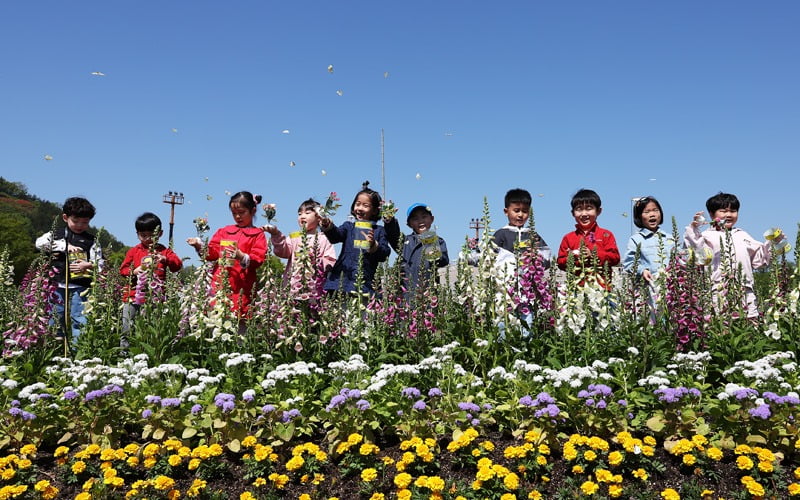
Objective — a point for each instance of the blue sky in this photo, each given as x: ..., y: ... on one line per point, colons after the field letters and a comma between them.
x: 677, y: 99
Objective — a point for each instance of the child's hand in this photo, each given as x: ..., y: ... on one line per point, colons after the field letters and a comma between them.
x: 647, y: 275
x: 73, y: 249
x: 698, y: 219
x: 325, y: 223
x: 195, y: 242
x: 387, y: 220
x: 370, y: 237
x: 272, y: 230
x: 80, y: 266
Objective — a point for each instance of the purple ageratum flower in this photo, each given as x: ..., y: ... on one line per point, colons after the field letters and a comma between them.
x: 544, y: 398
x: 550, y: 410
x: 267, y: 409
x: 487, y: 406
x: 469, y: 406
x: 336, y: 401
x: 171, y: 402
x: 434, y: 392
x: 420, y: 405
x: 622, y: 402
x: 14, y: 411
x: 26, y: 415
x: 248, y: 395
x: 224, y: 401
x: 590, y: 402
x: 70, y: 395
x: 411, y: 392
x: 114, y: 389
x: 147, y: 413
x: 600, y: 390
x: 363, y: 405
x: 601, y: 405
x: 526, y: 401
x: 196, y: 409
x: 153, y: 399
x: 475, y: 422
x: 352, y: 393
x: 290, y: 415
x: 745, y: 393
x: 15, y: 402
x: 760, y: 411
x: 92, y: 395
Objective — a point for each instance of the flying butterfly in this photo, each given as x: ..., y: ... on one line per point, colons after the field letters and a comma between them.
x: 339, y: 93
x: 48, y: 157
x: 292, y: 164
x: 330, y: 68
x: 98, y: 73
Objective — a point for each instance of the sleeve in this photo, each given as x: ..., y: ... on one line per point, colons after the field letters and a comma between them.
x: 609, y: 253
x: 258, y: 250
x: 393, y: 234
x: 693, y: 238
x: 382, y: 252
x: 500, y: 240
x: 336, y: 234
x: 328, y: 253
x: 760, y: 253
x: 445, y: 258
x: 173, y: 262
x: 212, y: 250
x: 96, y: 256
x: 45, y: 243
x: 630, y: 256
x: 280, y: 246
x: 128, y: 263
x: 563, y: 252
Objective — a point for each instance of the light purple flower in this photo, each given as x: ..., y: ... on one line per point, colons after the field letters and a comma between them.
x: 760, y: 411
x: 411, y: 392
x: 469, y: 406
x: 147, y: 413
x: 196, y: 409
x: 434, y: 392
x: 420, y: 405
x: 170, y: 402
x: 363, y: 404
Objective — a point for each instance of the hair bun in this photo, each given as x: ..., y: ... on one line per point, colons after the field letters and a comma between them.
x: 365, y: 185
x: 257, y: 198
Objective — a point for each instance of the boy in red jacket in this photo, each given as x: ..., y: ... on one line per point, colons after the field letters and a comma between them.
x: 589, y: 244
x: 146, y: 257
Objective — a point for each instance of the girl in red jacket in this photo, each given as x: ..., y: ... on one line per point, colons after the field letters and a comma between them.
x: 239, y: 248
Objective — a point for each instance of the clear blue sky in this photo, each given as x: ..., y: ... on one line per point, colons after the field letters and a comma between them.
x: 677, y: 99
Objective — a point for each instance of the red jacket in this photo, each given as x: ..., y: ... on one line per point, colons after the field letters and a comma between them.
x: 249, y: 240
x: 598, y: 240
x: 133, y: 259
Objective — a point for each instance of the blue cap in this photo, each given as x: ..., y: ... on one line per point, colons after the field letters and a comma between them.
x: 416, y: 206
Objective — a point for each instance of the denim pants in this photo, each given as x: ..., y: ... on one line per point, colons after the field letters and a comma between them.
x: 77, y: 319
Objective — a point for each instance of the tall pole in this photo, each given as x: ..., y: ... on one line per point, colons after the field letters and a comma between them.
x: 172, y: 198
x: 383, y: 168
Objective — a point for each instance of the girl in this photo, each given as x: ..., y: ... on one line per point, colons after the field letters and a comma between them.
x: 363, y: 241
x: 240, y: 248
x: 653, y: 244
x: 308, y: 254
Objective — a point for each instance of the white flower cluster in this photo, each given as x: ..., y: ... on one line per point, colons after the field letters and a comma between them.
x: 289, y: 371
x: 352, y: 365
x: 656, y: 379
x: 773, y: 331
x: 690, y: 361
x: 236, y: 359
x: 761, y: 371
x: 574, y: 376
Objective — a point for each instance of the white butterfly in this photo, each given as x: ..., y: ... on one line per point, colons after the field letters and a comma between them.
x: 652, y: 179
x: 285, y: 131
x: 324, y: 172
x: 292, y: 164
x: 448, y: 134
x: 386, y: 74
x: 206, y: 179
x: 48, y: 157
x: 209, y: 197
x: 418, y: 176
x: 330, y: 68
x: 98, y: 73
x: 339, y: 93
x: 174, y: 131
x: 227, y: 193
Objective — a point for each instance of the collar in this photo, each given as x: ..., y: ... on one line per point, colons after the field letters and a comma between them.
x: 591, y: 229
x: 248, y: 231
x: 517, y: 228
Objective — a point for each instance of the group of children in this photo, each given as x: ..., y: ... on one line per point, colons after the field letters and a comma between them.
x: 240, y: 248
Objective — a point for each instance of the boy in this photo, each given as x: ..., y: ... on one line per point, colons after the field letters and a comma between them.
x: 421, y: 254
x: 746, y: 253
x: 589, y: 241
x: 141, y: 259
x: 74, y: 256
x: 516, y: 236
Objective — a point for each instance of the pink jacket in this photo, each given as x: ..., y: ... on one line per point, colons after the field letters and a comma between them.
x: 288, y: 248
x: 747, y: 252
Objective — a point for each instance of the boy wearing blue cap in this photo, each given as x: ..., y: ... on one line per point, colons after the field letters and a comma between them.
x: 421, y: 252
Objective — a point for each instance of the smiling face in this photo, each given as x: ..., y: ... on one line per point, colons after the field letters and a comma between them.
x: 363, y: 208
x: 242, y: 215
x: 651, y: 216
x: 729, y: 215
x: 307, y: 217
x: 586, y: 215
x: 420, y: 220
x: 517, y: 213
x: 75, y: 224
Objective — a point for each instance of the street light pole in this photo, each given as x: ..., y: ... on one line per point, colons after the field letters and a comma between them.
x: 173, y: 198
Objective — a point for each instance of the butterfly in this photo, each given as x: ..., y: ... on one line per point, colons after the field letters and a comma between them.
x: 292, y: 164
x: 324, y: 172
x: 98, y: 73
x: 48, y: 157
x: 330, y: 68
x: 339, y: 93
x: 285, y: 131
x: 418, y: 176
x: 209, y: 197
x: 386, y: 74
x: 174, y: 131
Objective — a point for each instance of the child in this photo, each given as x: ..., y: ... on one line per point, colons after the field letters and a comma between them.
x: 362, y: 240
x: 420, y: 257
x: 516, y: 236
x: 589, y: 241
x: 239, y: 248
x: 654, y: 246
x: 147, y: 256
x: 75, y: 254
x: 301, y: 272
x: 746, y: 253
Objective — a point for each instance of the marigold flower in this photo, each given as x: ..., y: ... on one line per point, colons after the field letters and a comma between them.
x: 577, y: 469
x: 535, y: 495
x: 541, y: 460
x: 249, y: 441
x: 511, y: 481
x: 589, y: 487
x: 615, y: 458
x: 765, y: 466
x: 247, y: 496
x: 402, y: 480
x: 132, y: 461
x: 706, y: 493
x: 377, y: 496
x: 670, y: 494
x: 279, y: 480
x: 369, y: 475
x: 742, y: 449
x: 163, y: 483
x: 404, y: 494
x: 78, y: 467
x: 689, y: 459
x: 61, y: 451
x: 640, y: 474
x: 83, y: 496
x: 603, y: 475
x: 28, y: 449
x: 295, y: 463
x: 714, y: 453
x: 794, y: 489
x: 589, y: 455
x: 744, y: 462
x: 614, y: 490
x: 259, y: 482
x: 754, y: 488
x: 649, y: 440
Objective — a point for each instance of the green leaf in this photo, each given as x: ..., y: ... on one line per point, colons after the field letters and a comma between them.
x: 219, y: 424
x: 656, y: 424
x: 158, y: 434
x: 189, y: 432
x: 235, y: 445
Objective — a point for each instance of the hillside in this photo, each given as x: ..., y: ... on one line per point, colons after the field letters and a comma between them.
x: 24, y: 217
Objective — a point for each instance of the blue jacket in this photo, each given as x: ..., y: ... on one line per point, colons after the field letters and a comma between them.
x: 343, y: 274
x: 416, y: 267
x: 648, y: 244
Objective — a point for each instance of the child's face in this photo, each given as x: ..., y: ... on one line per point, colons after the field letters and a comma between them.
x: 243, y: 216
x: 363, y: 208
x: 146, y: 237
x: 651, y: 216
x: 308, y: 218
x: 728, y: 215
x: 76, y: 224
x: 586, y: 215
x: 517, y: 213
x: 420, y: 221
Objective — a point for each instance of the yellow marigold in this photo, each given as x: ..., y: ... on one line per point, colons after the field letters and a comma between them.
x: 589, y: 455
x: 511, y: 452
x: 247, y: 496
x: 259, y: 482
x: 614, y: 490
x: 249, y: 441
x: 151, y: 450
x: 23, y: 463
x: 304, y: 496
x: 279, y: 480
x: 404, y: 494
x: 714, y: 453
x: 487, y: 445
x: 174, y: 460
x: 603, y: 475
x: 41, y: 485
x: 78, y: 467
x: 105, y: 465
x: 402, y: 480
x: 295, y: 463
x: 535, y: 495
x: 754, y: 488
x: 131, y: 449
x: 681, y: 447
x: 184, y: 451
x: 369, y: 475
x: 93, y: 449
x: 648, y: 451
x: 577, y: 469
x: 484, y: 474
x: 198, y: 485
x: 172, y: 444
x: 589, y: 487
x: 115, y: 481
x: 477, y: 484
x: 107, y: 454
x: 699, y: 440
x: 794, y: 489
x: 541, y: 460
x: 500, y: 470
x: 369, y: 449
x: 318, y: 478
x: 387, y: 460
x: 215, y: 450
x: 150, y: 462
x: 569, y: 452
x: 29, y: 449
x: 597, y: 443
x: 689, y: 459
x: 615, y: 458
x: 354, y: 438
x: 132, y: 461
x: 321, y: 456
x: 744, y: 462
x: 670, y: 494
x: 511, y: 481
x: 163, y: 483
x: 436, y: 483
x: 797, y: 473
x: 765, y: 466
x: 83, y: 496
x: 544, y: 449
x: 108, y: 473
x: 377, y: 496
x: 508, y: 496
x: 8, y: 474
x: 532, y: 436
x: 764, y: 454
x: 649, y: 440
x: 475, y: 453
x: 742, y: 449
x: 119, y: 454
x: 640, y: 474
x: 194, y: 464
x: 706, y: 493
